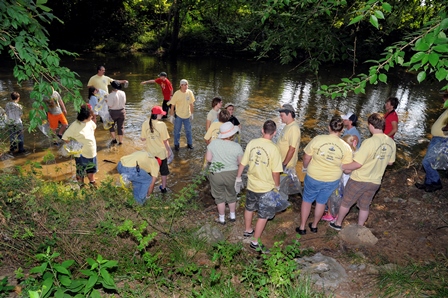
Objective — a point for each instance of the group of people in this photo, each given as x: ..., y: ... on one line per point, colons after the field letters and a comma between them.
x: 340, y: 154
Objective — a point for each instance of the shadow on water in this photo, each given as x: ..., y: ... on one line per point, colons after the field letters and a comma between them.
x: 256, y: 88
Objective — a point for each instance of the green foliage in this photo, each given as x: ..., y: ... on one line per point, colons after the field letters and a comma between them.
x: 144, y: 240
x: 5, y: 289
x: 26, y: 41
x: 416, y: 280
x: 56, y: 280
x: 429, y: 46
x: 226, y: 252
x: 278, y: 270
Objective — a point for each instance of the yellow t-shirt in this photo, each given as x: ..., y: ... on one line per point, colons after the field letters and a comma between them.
x: 290, y: 136
x: 263, y: 158
x: 100, y: 82
x: 182, y: 103
x: 84, y: 133
x: 213, y: 131
x: 436, y: 128
x: 374, y: 155
x: 328, y: 153
x: 154, y: 140
x: 145, y: 161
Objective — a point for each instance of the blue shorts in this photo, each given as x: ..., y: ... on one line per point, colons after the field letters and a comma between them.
x: 85, y: 165
x: 318, y: 191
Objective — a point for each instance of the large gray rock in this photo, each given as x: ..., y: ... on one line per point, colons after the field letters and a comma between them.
x: 358, y: 235
x: 325, y: 271
x: 210, y: 234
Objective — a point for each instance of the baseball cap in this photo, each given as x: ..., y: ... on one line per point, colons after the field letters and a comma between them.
x: 183, y: 82
x: 163, y: 74
x: 116, y: 85
x: 286, y: 108
x: 350, y: 116
x: 157, y: 110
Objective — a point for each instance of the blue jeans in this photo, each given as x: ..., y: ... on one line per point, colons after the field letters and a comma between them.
x: 432, y: 176
x: 16, y: 139
x: 140, y: 179
x: 178, y: 126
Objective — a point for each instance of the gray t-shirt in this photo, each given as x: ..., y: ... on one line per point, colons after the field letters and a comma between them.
x: 225, y: 152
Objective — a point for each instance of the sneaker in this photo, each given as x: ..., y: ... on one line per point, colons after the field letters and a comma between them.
x: 259, y: 247
x: 420, y: 185
x: 190, y: 146
x: 220, y: 222
x: 248, y: 234
x: 433, y: 187
x: 176, y: 147
x: 335, y: 226
x: 327, y: 217
x: 120, y: 143
x: 162, y: 190
x: 114, y: 142
x: 232, y: 219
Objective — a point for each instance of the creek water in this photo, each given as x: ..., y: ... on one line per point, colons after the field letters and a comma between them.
x: 256, y: 88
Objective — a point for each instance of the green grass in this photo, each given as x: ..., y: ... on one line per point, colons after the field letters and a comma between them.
x: 155, y: 245
x: 416, y: 280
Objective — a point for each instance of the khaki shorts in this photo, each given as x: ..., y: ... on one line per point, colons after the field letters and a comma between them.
x: 361, y: 193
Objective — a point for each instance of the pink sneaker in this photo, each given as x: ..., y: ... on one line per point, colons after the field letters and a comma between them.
x: 328, y: 217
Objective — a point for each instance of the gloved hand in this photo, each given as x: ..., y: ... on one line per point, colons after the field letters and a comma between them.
x: 191, y: 117
x: 303, y: 170
x: 284, y: 167
x: 171, y: 118
x: 238, y: 184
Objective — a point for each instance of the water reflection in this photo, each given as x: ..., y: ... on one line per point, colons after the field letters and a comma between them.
x: 257, y: 90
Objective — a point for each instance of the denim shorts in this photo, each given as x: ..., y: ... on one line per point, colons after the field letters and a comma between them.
x: 318, y: 191
x: 85, y: 165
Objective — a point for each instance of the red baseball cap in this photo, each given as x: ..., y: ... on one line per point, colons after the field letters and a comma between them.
x: 157, y: 110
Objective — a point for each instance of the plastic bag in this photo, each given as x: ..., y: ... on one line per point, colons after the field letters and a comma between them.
x: 290, y: 183
x: 276, y: 199
x: 72, y: 148
x: 335, y: 199
x: 103, y: 110
x: 438, y: 155
x: 45, y: 129
x: 171, y: 157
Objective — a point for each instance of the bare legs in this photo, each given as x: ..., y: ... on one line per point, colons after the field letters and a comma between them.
x: 305, y: 212
x: 259, y: 226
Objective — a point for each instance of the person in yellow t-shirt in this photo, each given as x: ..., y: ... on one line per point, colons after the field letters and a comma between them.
x: 155, y: 133
x: 100, y: 81
x: 265, y: 165
x: 83, y: 131
x: 140, y: 168
x: 182, y: 101
x: 213, y: 130
x: 289, y: 140
x: 323, y: 158
x: 367, y: 170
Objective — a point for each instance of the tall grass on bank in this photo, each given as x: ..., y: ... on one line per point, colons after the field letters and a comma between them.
x: 416, y: 280
x: 155, y: 246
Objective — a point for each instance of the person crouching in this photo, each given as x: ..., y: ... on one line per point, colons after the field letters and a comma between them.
x: 140, y: 168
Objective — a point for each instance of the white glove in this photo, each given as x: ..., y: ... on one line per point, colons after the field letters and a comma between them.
x: 191, y: 117
x: 304, y: 170
x: 171, y: 118
x: 238, y: 184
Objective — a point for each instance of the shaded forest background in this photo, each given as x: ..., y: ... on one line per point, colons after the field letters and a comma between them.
x: 306, y: 32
